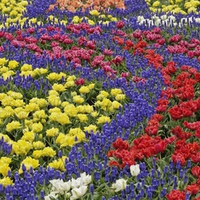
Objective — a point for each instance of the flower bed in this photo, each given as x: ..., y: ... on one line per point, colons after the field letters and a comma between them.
x: 99, y: 103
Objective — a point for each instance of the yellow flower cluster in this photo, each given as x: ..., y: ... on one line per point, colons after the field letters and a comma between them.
x: 72, y: 137
x: 40, y: 126
x: 174, y: 6
x: 13, y: 9
x: 50, y: 19
x: 4, y: 169
x: 29, y: 162
x: 46, y: 152
x: 6, y: 181
x: 4, y: 165
x: 95, y: 17
x: 8, y: 68
x: 58, y: 164
x: 108, y: 105
x: 21, y: 147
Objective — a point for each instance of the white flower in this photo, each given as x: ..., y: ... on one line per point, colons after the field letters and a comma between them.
x: 157, y: 22
x: 67, y: 195
x: 75, y: 182
x: 190, y: 19
x: 141, y: 22
x: 163, y: 17
x: 172, y: 18
x: 78, y: 192
x: 85, y: 179
x: 168, y: 22
x: 60, y: 186
x: 53, y: 195
x: 154, y: 17
x: 119, y: 185
x: 183, y: 20
x: 140, y: 18
x: 135, y: 169
x: 82, y: 180
x: 150, y: 22
x: 197, y: 20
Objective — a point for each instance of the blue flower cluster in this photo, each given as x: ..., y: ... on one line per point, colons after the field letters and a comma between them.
x: 5, y: 148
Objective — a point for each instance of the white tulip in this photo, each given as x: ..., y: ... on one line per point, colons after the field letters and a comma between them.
x: 75, y: 182
x: 78, y: 192
x: 85, y: 179
x: 183, y: 20
x: 148, y: 21
x: 67, y: 195
x: 135, y: 169
x: 190, y: 19
x: 60, y: 186
x: 119, y: 185
x: 164, y: 22
x: 163, y: 17
x: 168, y: 22
x: 141, y: 22
x: 172, y: 18
x: 140, y: 18
x: 154, y: 17
x: 53, y: 195
x: 197, y: 20
x: 157, y: 22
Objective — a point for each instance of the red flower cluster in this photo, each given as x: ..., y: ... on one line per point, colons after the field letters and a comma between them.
x: 192, y: 125
x: 183, y: 89
x: 193, y: 188
x: 196, y: 172
x: 180, y: 134
x: 121, y: 154
x: 184, y: 109
x: 80, y: 81
x: 184, y: 85
x: 181, y: 195
x: 53, y: 43
x: 153, y: 124
x: 184, y: 151
x: 142, y: 147
x: 120, y: 24
x: 154, y: 58
x: 137, y: 79
x: 146, y: 146
x: 118, y: 40
x: 170, y: 68
x: 191, y: 48
x: 162, y: 105
x: 175, y: 38
x: 176, y: 195
x: 175, y: 43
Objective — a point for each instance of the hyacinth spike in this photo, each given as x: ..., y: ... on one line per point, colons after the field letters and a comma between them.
x: 186, y: 179
x: 127, y: 189
x: 97, y: 176
x: 123, y: 194
x: 187, y: 196
x: 42, y: 194
x: 1, y: 188
x: 189, y: 164
x: 92, y: 189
